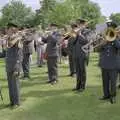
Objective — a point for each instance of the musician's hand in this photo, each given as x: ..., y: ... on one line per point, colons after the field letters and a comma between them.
x: 79, y: 34
x: 16, y: 74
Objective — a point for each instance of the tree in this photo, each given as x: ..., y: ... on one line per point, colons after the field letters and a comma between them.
x: 1, y: 22
x: 66, y: 11
x: 116, y: 18
x: 70, y: 10
x: 17, y: 13
x: 46, y: 7
x: 102, y: 19
x: 92, y: 13
x: 61, y: 14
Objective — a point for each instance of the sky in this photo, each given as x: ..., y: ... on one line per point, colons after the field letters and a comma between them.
x: 33, y: 3
x: 107, y: 6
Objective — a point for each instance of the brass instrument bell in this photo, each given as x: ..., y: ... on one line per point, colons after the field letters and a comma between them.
x: 110, y: 34
x: 69, y: 35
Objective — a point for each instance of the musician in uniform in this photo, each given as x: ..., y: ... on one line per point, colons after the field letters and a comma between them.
x: 109, y: 63
x: 13, y: 64
x: 118, y: 37
x: 80, y: 56
x: 52, y: 53
x: 39, y: 48
x: 71, y: 49
x: 27, y: 51
x: 3, y: 44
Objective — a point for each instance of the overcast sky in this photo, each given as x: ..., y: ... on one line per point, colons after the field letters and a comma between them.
x: 107, y: 6
x: 33, y: 3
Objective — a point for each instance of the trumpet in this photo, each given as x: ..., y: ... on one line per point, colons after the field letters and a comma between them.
x: 16, y: 38
x: 69, y: 35
x: 109, y: 35
x: 4, y: 37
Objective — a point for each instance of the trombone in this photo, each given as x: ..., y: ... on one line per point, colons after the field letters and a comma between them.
x: 109, y: 35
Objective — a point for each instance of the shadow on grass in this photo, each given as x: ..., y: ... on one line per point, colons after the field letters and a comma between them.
x: 39, y: 73
x: 63, y: 66
x: 30, y: 84
x: 46, y: 93
x: 2, y: 66
x: 3, y: 79
x: 38, y: 77
x: 58, y: 92
x: 3, y: 106
x: 65, y: 105
x: 1, y: 60
x: 64, y: 76
x: 34, y: 81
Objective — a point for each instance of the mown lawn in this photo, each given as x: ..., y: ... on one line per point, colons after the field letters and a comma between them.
x: 41, y: 101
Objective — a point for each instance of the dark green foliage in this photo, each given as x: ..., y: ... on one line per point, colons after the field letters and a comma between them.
x: 69, y: 10
x: 116, y: 18
x: 17, y: 13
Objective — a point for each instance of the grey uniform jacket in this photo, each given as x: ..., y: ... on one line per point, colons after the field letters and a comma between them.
x: 109, y: 58
x: 78, y: 44
x: 52, y: 46
x: 70, y: 47
x: 28, y: 44
x: 14, y: 59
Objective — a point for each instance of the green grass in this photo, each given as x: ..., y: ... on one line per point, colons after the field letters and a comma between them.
x: 41, y: 101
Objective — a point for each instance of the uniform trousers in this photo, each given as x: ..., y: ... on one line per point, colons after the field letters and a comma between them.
x: 119, y: 77
x: 81, y: 73
x: 109, y: 78
x: 26, y: 64
x: 72, y: 64
x: 52, y: 68
x: 13, y: 85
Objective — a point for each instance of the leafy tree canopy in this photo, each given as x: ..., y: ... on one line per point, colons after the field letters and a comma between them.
x: 17, y: 13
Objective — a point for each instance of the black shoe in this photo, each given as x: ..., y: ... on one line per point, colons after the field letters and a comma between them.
x: 48, y: 82
x: 25, y: 77
x: 75, y: 89
x: 40, y: 66
x: 81, y: 90
x: 15, y: 106
x: 9, y: 105
x: 118, y: 86
x: 112, y: 100
x: 71, y: 75
x: 104, y: 98
x: 53, y: 82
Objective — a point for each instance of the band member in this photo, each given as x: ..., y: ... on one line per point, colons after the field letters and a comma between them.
x: 2, y: 43
x: 80, y: 56
x: 71, y: 50
x: 64, y: 50
x: 52, y: 53
x: 118, y: 37
x: 27, y: 51
x: 39, y: 49
x: 109, y: 63
x: 13, y: 64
